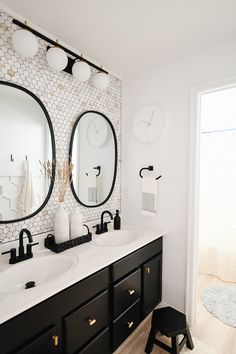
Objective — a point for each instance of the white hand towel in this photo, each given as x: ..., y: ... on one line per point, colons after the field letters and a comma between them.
x: 92, y: 187
x: 28, y: 199
x: 149, y: 196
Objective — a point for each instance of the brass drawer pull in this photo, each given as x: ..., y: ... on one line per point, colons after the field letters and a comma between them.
x: 148, y: 270
x: 92, y: 322
x: 130, y: 324
x: 131, y: 292
x: 55, y: 340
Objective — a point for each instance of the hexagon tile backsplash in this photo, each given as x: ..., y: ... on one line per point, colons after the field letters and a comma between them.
x: 64, y: 99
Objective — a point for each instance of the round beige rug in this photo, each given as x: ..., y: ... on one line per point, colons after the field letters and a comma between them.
x: 220, y: 301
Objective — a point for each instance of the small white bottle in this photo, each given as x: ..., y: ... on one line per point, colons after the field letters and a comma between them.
x: 76, y: 224
x: 61, y: 225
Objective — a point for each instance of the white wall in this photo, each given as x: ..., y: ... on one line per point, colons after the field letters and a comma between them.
x: 169, y: 85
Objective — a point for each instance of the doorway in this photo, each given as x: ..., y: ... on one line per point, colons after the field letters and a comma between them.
x: 211, y: 258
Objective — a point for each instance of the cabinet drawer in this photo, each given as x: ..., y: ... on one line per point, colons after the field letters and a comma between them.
x: 99, y: 345
x: 127, y: 292
x: 84, y: 323
x: 135, y: 259
x: 124, y: 325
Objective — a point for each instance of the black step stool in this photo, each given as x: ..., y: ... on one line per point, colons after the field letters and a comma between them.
x: 170, y: 323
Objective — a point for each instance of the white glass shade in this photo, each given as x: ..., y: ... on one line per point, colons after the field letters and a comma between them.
x: 101, y: 81
x: 25, y: 43
x: 56, y: 58
x: 81, y: 71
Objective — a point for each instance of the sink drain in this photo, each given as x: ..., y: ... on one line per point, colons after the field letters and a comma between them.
x: 30, y: 284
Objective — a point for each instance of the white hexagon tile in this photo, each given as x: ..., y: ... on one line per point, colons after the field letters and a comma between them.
x: 65, y: 99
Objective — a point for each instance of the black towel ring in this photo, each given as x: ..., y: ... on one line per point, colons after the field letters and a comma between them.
x: 149, y: 168
x: 96, y: 168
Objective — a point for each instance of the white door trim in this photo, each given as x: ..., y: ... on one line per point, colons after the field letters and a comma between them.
x: 193, y: 200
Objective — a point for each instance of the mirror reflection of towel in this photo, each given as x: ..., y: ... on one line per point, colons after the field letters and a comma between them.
x: 27, y: 199
x: 92, y: 187
x: 149, y: 196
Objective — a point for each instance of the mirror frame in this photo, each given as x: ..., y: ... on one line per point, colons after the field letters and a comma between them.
x: 6, y: 83
x: 115, y: 162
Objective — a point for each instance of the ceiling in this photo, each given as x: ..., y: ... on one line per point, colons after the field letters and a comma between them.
x: 129, y: 35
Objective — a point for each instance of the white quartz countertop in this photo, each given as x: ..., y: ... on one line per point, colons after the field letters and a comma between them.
x: 90, y: 258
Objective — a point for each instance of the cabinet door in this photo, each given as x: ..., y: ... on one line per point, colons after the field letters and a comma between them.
x: 46, y: 343
x: 152, y: 284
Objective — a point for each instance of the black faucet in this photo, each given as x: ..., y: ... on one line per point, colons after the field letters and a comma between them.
x: 22, y: 255
x: 21, y: 241
x: 101, y: 228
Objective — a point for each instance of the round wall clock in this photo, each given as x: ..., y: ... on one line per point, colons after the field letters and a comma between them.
x: 149, y: 123
x: 97, y: 132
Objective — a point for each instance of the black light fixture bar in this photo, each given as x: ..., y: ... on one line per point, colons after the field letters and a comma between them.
x: 54, y: 43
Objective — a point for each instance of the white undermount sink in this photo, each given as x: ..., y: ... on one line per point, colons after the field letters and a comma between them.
x: 117, y: 238
x: 41, y: 270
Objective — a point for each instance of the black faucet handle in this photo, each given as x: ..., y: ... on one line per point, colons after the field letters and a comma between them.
x: 12, y: 252
x: 105, y: 228
x: 97, y: 227
x: 33, y: 244
x: 29, y: 249
x: 6, y: 252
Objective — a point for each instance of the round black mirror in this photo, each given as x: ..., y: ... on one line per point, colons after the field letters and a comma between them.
x: 26, y: 146
x: 93, y: 152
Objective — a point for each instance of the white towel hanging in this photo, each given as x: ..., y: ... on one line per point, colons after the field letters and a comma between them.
x: 149, y: 196
x: 92, y: 187
x: 28, y: 199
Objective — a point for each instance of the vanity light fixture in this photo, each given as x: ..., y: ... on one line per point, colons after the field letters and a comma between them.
x: 81, y: 70
x: 73, y: 64
x: 24, y: 42
x: 101, y: 81
x: 56, y: 58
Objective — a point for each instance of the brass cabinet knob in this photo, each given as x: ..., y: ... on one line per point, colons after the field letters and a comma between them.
x: 130, y: 324
x: 148, y: 270
x: 131, y: 292
x: 55, y: 340
x: 92, y: 322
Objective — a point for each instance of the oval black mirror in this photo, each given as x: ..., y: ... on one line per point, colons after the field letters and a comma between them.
x: 93, y: 152
x: 26, y: 146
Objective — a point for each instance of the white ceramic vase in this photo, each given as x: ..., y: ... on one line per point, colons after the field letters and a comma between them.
x: 61, y: 224
x: 76, y: 224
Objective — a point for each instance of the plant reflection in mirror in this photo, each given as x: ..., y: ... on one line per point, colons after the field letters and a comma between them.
x: 63, y: 174
x: 46, y: 168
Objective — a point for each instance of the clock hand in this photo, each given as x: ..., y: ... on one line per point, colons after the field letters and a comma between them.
x: 144, y: 121
x: 151, y: 117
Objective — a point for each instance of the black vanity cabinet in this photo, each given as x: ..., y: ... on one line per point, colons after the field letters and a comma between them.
x: 93, y: 316
x: 135, y: 293
x: 61, y: 323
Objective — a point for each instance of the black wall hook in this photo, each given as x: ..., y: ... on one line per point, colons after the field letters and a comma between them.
x: 96, y: 168
x: 149, y: 168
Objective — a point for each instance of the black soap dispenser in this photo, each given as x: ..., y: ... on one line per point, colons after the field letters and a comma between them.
x: 117, y: 221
